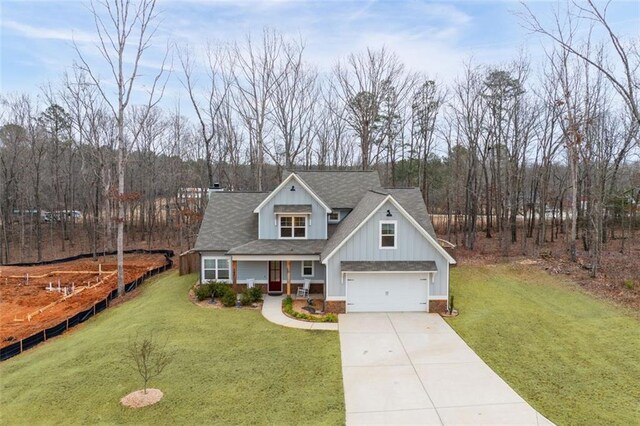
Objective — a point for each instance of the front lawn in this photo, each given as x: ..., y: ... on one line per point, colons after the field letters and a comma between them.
x: 232, y: 367
x: 574, y: 358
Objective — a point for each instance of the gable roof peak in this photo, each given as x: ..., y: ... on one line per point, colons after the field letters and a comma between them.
x: 284, y: 183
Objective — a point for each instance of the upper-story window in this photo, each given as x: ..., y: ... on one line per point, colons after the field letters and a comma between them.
x: 334, y: 216
x: 388, y: 234
x: 293, y: 227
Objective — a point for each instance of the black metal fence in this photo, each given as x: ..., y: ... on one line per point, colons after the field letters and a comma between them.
x: 41, y: 336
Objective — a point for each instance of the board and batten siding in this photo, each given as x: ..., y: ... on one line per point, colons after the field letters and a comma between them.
x: 317, y: 227
x: 364, y: 245
x: 259, y: 270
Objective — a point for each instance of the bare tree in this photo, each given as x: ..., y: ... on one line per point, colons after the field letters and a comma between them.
x: 124, y: 35
x: 149, y: 357
x: 469, y: 112
x: 625, y: 79
x: 426, y: 103
x: 294, y: 105
x: 255, y: 77
x: 363, y: 81
x: 215, y: 95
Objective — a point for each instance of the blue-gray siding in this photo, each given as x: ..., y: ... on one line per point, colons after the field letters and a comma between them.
x: 317, y: 228
x: 342, y: 213
x: 364, y: 245
x: 258, y: 270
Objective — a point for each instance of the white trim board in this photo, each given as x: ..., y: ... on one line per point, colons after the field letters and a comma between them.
x: 388, y: 272
x: 283, y: 184
x: 266, y: 257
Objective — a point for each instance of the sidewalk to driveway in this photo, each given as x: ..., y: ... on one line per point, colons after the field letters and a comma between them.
x: 272, y: 311
x: 412, y: 368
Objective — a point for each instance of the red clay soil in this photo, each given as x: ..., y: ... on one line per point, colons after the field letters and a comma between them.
x: 617, y: 279
x: 19, y: 299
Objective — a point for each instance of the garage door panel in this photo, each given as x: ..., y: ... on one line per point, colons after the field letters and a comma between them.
x: 382, y: 292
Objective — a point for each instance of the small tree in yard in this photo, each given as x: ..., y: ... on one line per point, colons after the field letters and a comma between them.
x: 148, y: 356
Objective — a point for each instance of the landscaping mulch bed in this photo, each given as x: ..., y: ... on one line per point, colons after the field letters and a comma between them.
x: 298, y: 304
x: 217, y: 304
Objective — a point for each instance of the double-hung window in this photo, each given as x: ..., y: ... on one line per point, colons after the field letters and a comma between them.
x: 293, y: 227
x: 216, y: 269
x: 307, y: 268
x: 388, y: 234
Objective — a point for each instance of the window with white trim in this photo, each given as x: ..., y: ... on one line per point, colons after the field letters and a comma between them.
x: 334, y: 216
x: 307, y: 268
x: 388, y: 234
x: 293, y: 227
x: 216, y: 269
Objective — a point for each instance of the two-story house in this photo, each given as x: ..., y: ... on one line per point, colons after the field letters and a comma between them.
x: 363, y: 247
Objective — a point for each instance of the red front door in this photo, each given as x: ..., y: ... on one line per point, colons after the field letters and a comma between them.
x: 275, y: 277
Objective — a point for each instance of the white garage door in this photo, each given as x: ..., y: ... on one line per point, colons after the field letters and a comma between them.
x: 387, y: 292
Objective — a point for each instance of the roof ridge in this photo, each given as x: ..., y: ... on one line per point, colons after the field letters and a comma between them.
x: 332, y: 171
x: 239, y: 192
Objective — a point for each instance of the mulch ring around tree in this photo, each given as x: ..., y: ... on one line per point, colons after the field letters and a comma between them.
x: 139, y: 398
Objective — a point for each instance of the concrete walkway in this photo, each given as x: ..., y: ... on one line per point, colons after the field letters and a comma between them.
x: 412, y: 368
x: 272, y: 311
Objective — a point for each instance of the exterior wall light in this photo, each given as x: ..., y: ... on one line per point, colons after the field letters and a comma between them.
x: 389, y: 213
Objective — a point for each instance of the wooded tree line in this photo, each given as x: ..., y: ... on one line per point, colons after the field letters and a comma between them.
x: 497, y: 151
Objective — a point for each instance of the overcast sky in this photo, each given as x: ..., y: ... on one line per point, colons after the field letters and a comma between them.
x: 432, y: 37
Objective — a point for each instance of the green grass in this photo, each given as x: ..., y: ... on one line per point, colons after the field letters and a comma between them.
x: 232, y: 367
x: 574, y: 358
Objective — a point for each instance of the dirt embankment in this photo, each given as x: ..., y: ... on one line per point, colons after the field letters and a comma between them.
x: 28, y: 306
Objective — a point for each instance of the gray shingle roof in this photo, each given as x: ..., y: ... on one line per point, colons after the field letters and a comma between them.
x: 340, y: 189
x: 389, y: 266
x: 280, y: 247
x: 367, y: 204
x: 410, y: 199
x: 292, y: 208
x: 229, y: 220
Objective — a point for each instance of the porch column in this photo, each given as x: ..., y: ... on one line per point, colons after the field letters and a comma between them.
x: 288, y: 278
x: 234, y: 275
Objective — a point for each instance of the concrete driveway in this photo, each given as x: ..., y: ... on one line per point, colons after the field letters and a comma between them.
x: 412, y: 368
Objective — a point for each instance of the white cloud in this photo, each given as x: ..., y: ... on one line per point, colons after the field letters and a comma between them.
x: 30, y: 31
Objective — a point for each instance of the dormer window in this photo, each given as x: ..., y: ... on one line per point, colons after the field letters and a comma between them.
x: 334, y: 216
x: 293, y: 227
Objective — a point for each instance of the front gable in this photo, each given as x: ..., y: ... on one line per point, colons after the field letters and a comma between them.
x: 411, y: 243
x: 408, y: 243
x: 293, y: 197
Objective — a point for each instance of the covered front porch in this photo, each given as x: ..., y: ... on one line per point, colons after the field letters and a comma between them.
x: 279, y: 267
x: 279, y: 276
